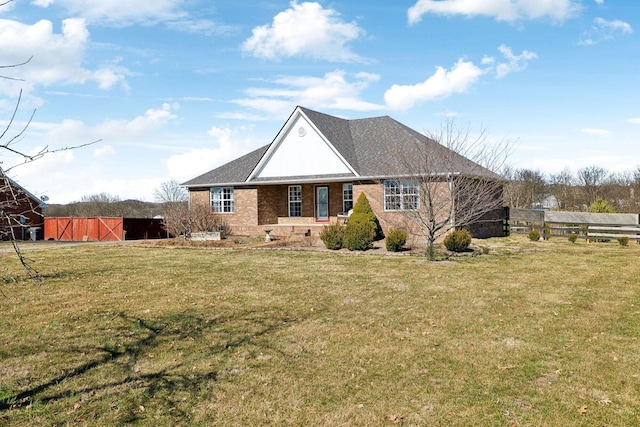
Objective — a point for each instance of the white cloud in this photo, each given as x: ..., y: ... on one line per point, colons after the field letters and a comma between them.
x: 501, y: 10
x: 635, y: 120
x: 603, y: 30
x: 104, y: 150
x: 440, y: 85
x: 514, y: 62
x: 124, y: 13
x: 42, y: 3
x: 597, y: 132
x: 57, y: 58
x: 119, y: 12
x: 334, y: 90
x: 307, y: 30
x: 111, y: 132
x: 459, y: 79
x: 140, y: 127
x: 98, y: 168
x: 227, y: 144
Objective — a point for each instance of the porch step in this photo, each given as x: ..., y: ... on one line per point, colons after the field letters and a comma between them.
x: 301, y: 231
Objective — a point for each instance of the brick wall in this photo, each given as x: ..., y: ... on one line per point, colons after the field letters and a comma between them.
x: 264, y: 205
x: 388, y: 219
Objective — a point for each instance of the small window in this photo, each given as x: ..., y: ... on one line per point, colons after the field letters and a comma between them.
x: 347, y: 197
x: 222, y: 200
x: 401, y: 195
x: 295, y: 200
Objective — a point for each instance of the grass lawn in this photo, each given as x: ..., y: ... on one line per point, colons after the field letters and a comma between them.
x: 530, y: 334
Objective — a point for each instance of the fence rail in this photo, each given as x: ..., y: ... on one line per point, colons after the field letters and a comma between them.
x: 614, y: 232
x: 586, y: 225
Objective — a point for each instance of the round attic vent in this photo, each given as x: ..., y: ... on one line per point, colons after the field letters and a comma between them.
x: 301, y: 131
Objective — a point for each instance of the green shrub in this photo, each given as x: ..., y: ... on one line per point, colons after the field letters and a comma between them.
x: 332, y: 236
x: 573, y: 237
x: 362, y: 212
x: 624, y: 241
x: 546, y: 232
x: 362, y: 227
x: 458, y: 240
x: 601, y: 206
x: 359, y: 236
x: 534, y: 235
x: 396, y: 238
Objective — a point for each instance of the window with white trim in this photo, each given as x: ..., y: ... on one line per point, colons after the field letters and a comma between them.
x: 347, y: 197
x: 222, y: 200
x: 295, y: 200
x: 401, y: 195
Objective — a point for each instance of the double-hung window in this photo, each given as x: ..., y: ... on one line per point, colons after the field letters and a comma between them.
x: 295, y: 200
x: 347, y: 197
x: 401, y: 195
x: 222, y: 199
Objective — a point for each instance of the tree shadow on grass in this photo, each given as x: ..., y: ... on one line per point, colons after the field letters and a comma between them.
x: 241, y: 329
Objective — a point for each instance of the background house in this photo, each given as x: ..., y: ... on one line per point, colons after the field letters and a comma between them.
x: 20, y: 211
x: 316, y: 167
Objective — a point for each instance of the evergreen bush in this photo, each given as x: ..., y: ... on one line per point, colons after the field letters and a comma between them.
x: 332, y: 236
x: 534, y: 235
x: 362, y: 227
x: 601, y: 206
x: 573, y: 237
x: 362, y: 211
x: 359, y: 236
x: 458, y: 240
x: 396, y: 239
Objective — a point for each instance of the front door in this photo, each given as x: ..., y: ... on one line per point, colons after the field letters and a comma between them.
x: 322, y: 203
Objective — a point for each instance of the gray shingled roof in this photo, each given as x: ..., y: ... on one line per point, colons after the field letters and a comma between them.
x: 374, y: 147
x: 234, y: 172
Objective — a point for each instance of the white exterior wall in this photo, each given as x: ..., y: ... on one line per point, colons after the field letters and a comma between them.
x: 302, y: 151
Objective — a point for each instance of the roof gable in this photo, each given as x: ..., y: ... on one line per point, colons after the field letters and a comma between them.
x: 302, y: 149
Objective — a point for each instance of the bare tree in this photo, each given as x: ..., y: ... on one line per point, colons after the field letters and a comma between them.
x: 561, y: 186
x: 591, y: 178
x: 525, y: 188
x: 448, y: 181
x: 617, y: 190
x: 182, y: 220
x: 170, y: 191
x: 16, y: 204
x: 635, y: 189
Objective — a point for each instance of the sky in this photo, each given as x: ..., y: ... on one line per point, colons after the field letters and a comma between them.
x: 174, y: 88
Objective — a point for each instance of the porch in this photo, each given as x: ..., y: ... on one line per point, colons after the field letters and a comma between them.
x: 299, y: 210
x: 297, y: 227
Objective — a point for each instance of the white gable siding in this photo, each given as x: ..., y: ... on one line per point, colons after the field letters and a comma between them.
x: 301, y: 151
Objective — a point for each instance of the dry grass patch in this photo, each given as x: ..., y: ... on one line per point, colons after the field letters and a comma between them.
x: 531, y: 334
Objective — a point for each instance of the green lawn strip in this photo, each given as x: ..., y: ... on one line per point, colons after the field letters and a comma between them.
x: 540, y: 333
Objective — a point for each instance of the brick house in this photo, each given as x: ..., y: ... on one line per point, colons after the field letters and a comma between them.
x: 19, y: 210
x: 314, y: 170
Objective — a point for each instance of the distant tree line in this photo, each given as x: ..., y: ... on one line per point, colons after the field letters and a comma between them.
x: 528, y: 189
x: 105, y: 204
x: 169, y: 196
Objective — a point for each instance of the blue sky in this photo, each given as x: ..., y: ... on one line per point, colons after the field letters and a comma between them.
x: 174, y: 88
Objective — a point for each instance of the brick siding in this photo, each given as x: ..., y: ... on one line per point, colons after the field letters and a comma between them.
x: 260, y: 206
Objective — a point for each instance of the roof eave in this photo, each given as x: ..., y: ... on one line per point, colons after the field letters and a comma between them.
x: 310, y: 180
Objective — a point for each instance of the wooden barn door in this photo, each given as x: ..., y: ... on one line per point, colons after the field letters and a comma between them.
x: 110, y: 229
